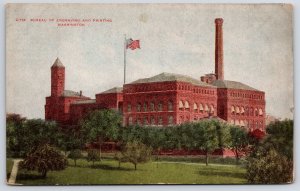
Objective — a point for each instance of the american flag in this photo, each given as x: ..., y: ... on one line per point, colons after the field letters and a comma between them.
x: 132, y: 44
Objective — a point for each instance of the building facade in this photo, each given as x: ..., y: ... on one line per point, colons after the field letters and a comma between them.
x: 164, y: 99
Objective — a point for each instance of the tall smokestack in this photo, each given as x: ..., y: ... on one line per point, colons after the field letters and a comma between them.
x: 219, y: 68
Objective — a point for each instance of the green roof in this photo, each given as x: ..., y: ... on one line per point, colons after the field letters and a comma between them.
x: 89, y: 101
x: 170, y: 77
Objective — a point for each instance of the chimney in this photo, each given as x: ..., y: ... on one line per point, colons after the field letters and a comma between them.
x: 219, y: 68
x: 80, y: 93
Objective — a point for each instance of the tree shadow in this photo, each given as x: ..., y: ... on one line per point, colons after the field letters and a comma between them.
x: 30, y: 176
x: 217, y: 172
x: 108, y: 167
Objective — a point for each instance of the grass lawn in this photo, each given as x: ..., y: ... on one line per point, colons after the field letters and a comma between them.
x: 9, y: 165
x: 107, y: 172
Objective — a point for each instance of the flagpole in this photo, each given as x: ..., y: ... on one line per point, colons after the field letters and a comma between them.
x: 125, y: 58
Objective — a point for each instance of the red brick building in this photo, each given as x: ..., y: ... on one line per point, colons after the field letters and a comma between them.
x: 164, y: 99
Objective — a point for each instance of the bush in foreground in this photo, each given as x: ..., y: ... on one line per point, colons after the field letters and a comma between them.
x: 43, y: 159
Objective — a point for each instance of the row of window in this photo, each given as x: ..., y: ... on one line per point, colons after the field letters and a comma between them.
x: 150, y: 107
x: 150, y: 121
x: 244, y: 95
x: 184, y: 105
x: 247, y: 123
x: 237, y: 110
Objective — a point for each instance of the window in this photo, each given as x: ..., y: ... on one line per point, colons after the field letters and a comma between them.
x: 187, y: 105
x: 130, y: 120
x: 242, y: 123
x: 138, y: 121
x: 129, y: 107
x: 170, y: 120
x: 160, y: 120
x: 170, y: 106
x: 138, y: 107
x: 201, y: 107
x: 206, y: 108
x: 237, y: 109
x: 232, y: 110
x: 195, y: 107
x: 145, y: 120
x: 260, y: 112
x: 145, y: 107
x: 242, y: 110
x: 152, y: 120
x: 251, y: 111
x: 152, y: 106
x: 256, y: 111
x: 160, y: 106
x: 180, y: 105
x: 212, y: 110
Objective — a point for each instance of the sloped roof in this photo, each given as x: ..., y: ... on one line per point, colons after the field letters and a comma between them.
x: 70, y: 93
x: 84, y: 101
x: 113, y: 90
x: 232, y: 85
x: 165, y: 77
x: 58, y: 64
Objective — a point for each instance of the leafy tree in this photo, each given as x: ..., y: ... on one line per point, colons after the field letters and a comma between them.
x: 102, y: 125
x: 75, y: 155
x: 270, y: 168
x: 239, y: 141
x: 44, y: 158
x: 272, y: 158
x: 93, y: 156
x: 14, y: 136
x: 135, y: 153
x: 207, y: 137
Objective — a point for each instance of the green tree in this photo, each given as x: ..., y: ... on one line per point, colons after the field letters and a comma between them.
x: 102, y: 125
x: 272, y: 158
x: 135, y: 153
x: 239, y: 141
x: 44, y: 158
x: 207, y: 137
x: 270, y: 168
x: 75, y: 155
x: 93, y: 156
x: 14, y: 136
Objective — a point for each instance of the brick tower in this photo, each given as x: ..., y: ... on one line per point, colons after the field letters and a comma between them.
x: 219, y: 68
x: 57, y: 78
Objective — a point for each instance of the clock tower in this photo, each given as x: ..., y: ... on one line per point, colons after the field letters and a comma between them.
x: 57, y: 78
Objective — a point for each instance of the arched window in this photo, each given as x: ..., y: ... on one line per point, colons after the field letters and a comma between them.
x: 247, y: 111
x: 130, y: 120
x: 170, y: 120
x: 160, y: 106
x: 145, y: 106
x: 256, y: 111
x: 186, y: 105
x: 170, y: 106
x: 152, y: 106
x: 138, y: 107
x: 232, y: 110
x: 251, y: 111
x: 181, y: 105
x: 201, y: 107
x: 212, y: 110
x: 129, y: 107
x: 206, y: 108
x: 237, y: 109
x: 152, y: 120
x: 242, y: 110
x: 195, y: 107
x: 260, y: 112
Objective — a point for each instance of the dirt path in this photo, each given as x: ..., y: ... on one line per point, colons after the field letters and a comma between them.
x: 14, y: 172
